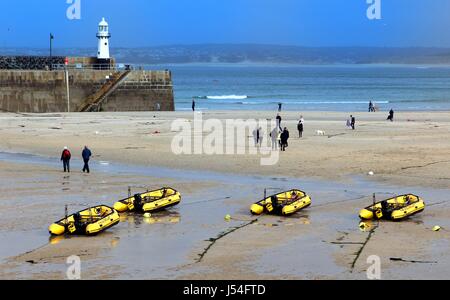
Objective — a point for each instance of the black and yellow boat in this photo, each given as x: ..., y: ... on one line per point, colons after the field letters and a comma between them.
x: 286, y: 203
x: 396, y: 208
x: 149, y: 201
x: 90, y: 221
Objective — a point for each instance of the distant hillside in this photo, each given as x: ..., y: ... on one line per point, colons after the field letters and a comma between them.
x: 248, y: 53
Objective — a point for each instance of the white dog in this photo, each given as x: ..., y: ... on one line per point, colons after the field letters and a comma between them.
x: 320, y: 132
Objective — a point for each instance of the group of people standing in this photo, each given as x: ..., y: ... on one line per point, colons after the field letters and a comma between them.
x: 283, y: 135
x: 66, y: 156
x: 279, y: 135
x: 351, y: 122
x: 280, y: 138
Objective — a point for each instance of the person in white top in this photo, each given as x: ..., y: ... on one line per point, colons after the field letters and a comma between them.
x: 274, y: 136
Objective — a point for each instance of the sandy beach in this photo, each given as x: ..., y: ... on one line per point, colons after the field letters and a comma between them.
x: 192, y: 240
x: 415, y: 149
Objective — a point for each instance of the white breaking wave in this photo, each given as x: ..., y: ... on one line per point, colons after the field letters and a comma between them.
x: 337, y: 102
x: 227, y: 97
x: 315, y: 102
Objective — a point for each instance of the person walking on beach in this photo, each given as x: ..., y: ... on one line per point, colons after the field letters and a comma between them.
x: 349, y: 123
x: 391, y: 116
x: 257, y: 134
x: 274, y: 134
x: 280, y: 132
x: 284, y: 139
x: 279, y: 122
x: 86, y: 154
x: 280, y: 105
x: 65, y: 158
x: 300, y: 127
x: 260, y: 136
x: 193, y: 104
x: 352, y: 122
x: 371, y: 108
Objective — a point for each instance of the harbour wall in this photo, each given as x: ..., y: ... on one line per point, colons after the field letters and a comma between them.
x: 42, y: 91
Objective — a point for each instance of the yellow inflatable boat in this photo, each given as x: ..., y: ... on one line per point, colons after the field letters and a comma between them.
x: 90, y: 221
x: 286, y: 203
x: 149, y: 201
x: 396, y: 208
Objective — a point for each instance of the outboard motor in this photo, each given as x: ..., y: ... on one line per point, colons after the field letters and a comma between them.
x: 138, y: 202
x: 80, y: 227
x: 276, y: 206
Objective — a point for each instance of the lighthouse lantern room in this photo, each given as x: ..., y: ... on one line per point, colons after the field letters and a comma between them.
x: 103, y: 36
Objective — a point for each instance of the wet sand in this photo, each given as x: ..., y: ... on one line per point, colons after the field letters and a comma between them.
x: 415, y: 149
x: 192, y: 240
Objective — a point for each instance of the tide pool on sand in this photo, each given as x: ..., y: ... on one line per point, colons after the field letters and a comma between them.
x: 227, y: 290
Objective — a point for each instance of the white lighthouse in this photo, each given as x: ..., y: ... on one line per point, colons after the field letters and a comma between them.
x: 103, y: 36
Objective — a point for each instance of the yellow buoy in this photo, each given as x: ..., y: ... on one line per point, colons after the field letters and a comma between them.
x: 227, y: 218
x: 436, y: 228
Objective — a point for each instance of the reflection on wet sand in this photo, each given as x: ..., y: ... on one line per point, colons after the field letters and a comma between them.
x: 54, y: 240
x: 164, y: 217
x: 366, y: 225
x: 112, y: 240
x: 286, y: 221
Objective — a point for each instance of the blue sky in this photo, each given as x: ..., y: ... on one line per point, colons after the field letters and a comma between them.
x: 137, y: 23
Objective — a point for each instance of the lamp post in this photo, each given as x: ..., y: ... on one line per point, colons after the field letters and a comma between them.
x: 51, y: 44
x: 66, y: 67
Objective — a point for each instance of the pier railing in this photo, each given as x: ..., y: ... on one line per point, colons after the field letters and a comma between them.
x: 95, y: 100
x: 116, y: 67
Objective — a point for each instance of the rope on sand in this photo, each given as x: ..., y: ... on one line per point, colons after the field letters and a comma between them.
x: 214, y: 240
x: 358, y: 254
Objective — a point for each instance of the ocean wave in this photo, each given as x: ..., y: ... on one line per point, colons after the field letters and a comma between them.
x: 336, y: 102
x: 313, y: 102
x: 271, y: 101
x: 422, y: 101
x: 227, y: 97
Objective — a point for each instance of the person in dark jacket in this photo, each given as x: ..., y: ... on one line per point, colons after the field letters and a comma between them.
x: 300, y: 127
x: 353, y: 122
x: 65, y: 158
x: 391, y: 116
x: 193, y: 104
x: 279, y: 122
x: 371, y: 107
x: 86, y: 154
x: 284, y: 139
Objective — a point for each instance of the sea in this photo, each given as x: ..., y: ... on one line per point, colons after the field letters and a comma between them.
x: 305, y: 88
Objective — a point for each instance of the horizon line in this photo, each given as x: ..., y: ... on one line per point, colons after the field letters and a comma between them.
x: 236, y: 44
